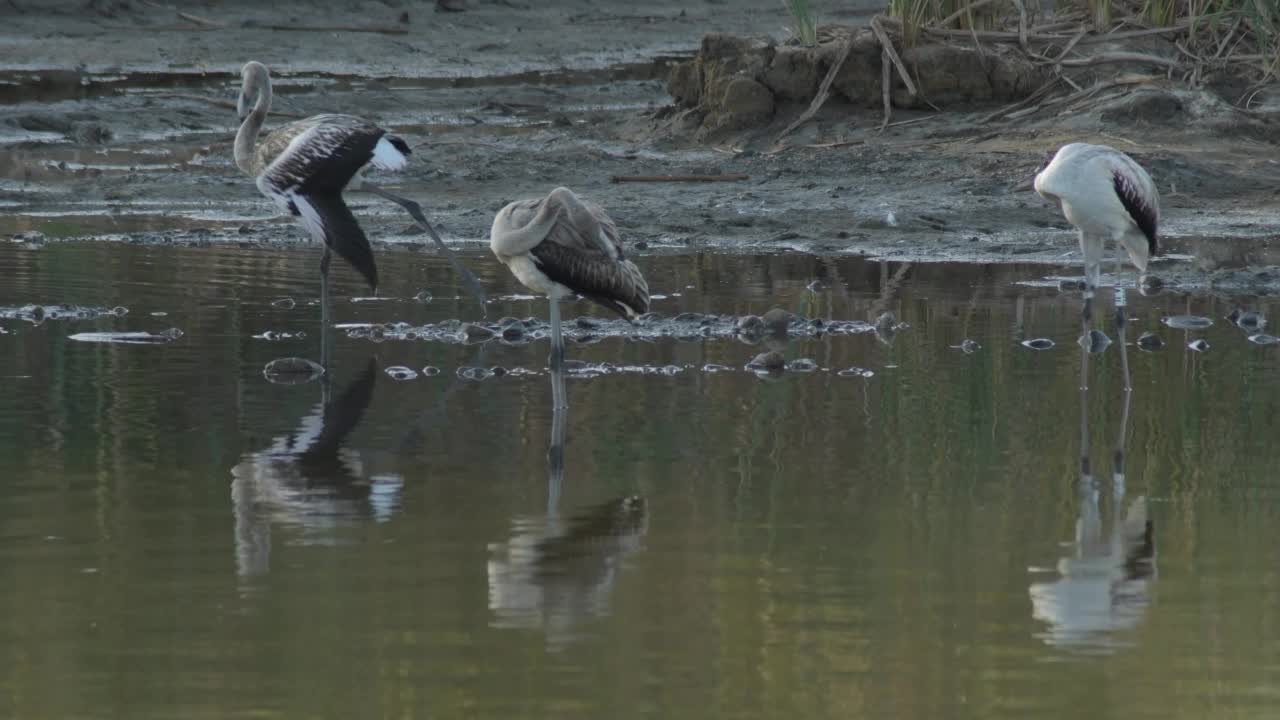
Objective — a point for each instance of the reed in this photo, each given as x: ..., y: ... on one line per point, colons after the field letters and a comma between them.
x: 804, y: 24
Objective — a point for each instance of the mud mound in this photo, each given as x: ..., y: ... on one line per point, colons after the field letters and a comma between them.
x: 735, y: 83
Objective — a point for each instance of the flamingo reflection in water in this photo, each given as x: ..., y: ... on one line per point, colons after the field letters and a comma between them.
x: 1104, y: 586
x: 308, y: 479
x: 553, y: 573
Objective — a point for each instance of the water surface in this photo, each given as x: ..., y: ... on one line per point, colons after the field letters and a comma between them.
x: 181, y: 537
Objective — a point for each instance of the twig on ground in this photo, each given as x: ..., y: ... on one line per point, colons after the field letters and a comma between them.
x: 824, y: 91
x: 203, y: 21
x: 887, y: 44
x: 677, y: 178
x: 886, y: 80
x: 379, y: 29
x: 1119, y: 57
x: 1033, y: 97
x: 963, y: 12
x: 216, y: 102
x: 477, y: 143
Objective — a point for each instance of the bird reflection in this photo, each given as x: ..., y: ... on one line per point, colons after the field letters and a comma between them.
x: 1104, y: 586
x: 554, y: 573
x: 308, y: 479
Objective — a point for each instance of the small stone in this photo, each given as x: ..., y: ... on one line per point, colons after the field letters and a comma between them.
x: 777, y: 321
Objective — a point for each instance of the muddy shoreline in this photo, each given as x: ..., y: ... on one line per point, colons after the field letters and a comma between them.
x: 103, y: 135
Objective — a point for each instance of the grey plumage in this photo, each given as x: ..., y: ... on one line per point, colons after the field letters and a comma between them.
x: 562, y: 244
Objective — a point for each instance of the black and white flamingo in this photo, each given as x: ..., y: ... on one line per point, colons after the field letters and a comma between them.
x: 561, y: 245
x: 304, y: 167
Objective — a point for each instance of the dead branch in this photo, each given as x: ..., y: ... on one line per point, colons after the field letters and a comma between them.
x: 677, y: 178
x: 1119, y: 57
x: 203, y: 21
x: 885, y: 43
x: 379, y: 29
x: 962, y: 12
x: 886, y: 80
x: 824, y: 91
x: 216, y: 102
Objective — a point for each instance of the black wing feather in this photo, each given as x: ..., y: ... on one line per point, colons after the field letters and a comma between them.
x: 399, y: 144
x: 318, y: 168
x: 343, y: 234
x: 331, y: 170
x: 611, y: 284
x: 1143, y: 215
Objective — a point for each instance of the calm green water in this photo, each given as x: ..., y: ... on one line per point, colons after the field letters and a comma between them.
x: 914, y: 544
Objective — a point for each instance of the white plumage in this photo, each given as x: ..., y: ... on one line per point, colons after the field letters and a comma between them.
x: 1107, y: 196
x: 388, y: 157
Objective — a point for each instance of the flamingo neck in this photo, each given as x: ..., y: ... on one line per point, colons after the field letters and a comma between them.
x: 247, y: 136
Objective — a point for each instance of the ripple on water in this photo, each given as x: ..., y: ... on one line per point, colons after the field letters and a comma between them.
x: 1038, y: 344
x: 400, y: 372
x: 129, y: 338
x: 291, y: 371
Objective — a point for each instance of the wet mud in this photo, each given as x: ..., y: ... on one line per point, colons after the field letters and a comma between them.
x: 107, y: 131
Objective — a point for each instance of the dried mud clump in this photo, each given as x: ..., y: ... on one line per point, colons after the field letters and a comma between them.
x: 737, y: 83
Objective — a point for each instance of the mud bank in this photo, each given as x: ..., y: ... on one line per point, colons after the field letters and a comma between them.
x: 129, y: 148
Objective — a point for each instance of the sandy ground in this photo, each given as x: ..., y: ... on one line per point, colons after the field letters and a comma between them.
x: 103, y: 134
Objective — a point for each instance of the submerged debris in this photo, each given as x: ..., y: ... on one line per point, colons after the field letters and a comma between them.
x: 1038, y: 343
x: 1248, y: 319
x: 37, y: 314
x: 802, y: 365
x: 400, y: 372
x: 276, y: 335
x: 129, y: 338
x: 475, y: 374
x: 1150, y: 285
x: 1150, y: 342
x: 585, y: 369
x: 1187, y: 322
x: 650, y: 326
x: 855, y: 372
x: 778, y: 321
x: 292, y: 371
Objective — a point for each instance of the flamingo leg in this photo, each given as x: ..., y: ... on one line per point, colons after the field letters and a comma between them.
x: 415, y: 211
x: 555, y: 459
x: 325, y: 319
x: 1085, y: 470
x: 558, y: 396
x: 1121, y: 322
